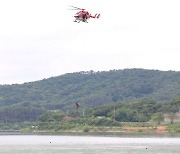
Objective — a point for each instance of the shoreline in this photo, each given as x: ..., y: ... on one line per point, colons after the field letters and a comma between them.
x: 125, y: 130
x: 105, y: 131
x: 102, y: 134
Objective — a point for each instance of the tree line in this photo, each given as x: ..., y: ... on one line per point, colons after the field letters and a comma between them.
x: 26, y: 102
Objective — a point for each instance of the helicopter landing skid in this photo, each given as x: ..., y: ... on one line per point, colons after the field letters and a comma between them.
x: 80, y: 21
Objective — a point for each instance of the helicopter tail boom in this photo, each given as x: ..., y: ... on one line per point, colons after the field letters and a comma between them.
x: 96, y: 16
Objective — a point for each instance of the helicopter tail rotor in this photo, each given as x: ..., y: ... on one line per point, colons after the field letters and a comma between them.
x: 98, y: 16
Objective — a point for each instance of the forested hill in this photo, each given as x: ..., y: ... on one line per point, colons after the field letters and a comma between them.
x: 92, y: 89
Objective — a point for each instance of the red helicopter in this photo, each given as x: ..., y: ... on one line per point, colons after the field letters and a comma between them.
x: 83, y: 15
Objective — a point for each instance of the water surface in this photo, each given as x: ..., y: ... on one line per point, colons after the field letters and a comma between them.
x: 46, y: 144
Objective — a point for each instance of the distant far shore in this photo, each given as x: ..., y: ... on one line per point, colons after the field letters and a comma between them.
x: 128, y: 129
x: 115, y: 131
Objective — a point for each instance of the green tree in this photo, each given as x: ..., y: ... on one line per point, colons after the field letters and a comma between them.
x: 158, y: 117
x: 172, y: 117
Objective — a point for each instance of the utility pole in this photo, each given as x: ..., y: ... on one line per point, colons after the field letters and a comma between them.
x: 6, y: 120
x: 114, y: 114
x: 83, y: 112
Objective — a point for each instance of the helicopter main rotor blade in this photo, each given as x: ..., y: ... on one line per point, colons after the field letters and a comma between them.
x: 76, y: 7
x: 73, y: 9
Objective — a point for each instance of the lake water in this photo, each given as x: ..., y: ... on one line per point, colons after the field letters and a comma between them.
x: 46, y: 144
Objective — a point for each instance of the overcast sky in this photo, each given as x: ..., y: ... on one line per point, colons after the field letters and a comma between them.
x: 38, y: 38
